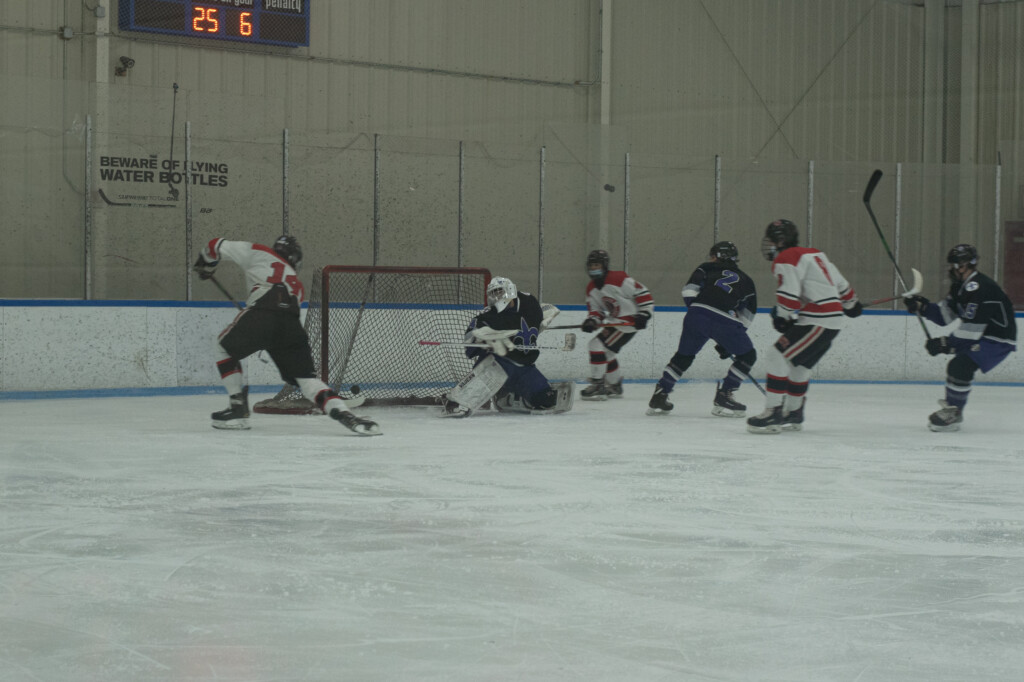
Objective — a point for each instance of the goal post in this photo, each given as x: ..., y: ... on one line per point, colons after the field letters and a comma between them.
x: 365, y: 324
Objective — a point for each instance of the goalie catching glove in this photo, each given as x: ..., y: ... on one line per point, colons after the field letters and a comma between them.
x: 205, y: 270
x: 499, y: 340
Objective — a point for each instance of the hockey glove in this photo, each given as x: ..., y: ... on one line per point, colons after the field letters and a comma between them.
x: 204, y: 269
x: 590, y: 324
x: 915, y: 304
x: 781, y: 324
x: 641, y: 319
x: 938, y: 346
x: 498, y: 340
x: 855, y: 311
x: 722, y: 352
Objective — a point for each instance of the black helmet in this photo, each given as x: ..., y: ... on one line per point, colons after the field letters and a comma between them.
x: 962, y: 254
x: 287, y: 247
x: 780, y: 234
x: 725, y: 251
x: 599, y: 256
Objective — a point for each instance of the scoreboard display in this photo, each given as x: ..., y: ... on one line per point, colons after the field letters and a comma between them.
x: 266, y: 22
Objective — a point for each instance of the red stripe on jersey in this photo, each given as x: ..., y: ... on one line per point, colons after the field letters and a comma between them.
x: 643, y: 298
x: 787, y: 301
x: 834, y: 307
x: 275, y: 254
x: 212, y: 251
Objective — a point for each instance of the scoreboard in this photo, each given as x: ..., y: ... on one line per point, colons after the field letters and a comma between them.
x: 267, y: 22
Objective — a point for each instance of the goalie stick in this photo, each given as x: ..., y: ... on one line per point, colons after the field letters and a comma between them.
x: 570, y: 344
x: 354, y: 399
x: 129, y: 203
x: 868, y: 191
x: 579, y: 326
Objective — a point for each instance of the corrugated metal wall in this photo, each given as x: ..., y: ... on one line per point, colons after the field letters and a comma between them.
x: 766, y: 85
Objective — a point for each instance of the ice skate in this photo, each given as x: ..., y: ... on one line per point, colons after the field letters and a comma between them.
x: 769, y: 421
x: 726, y: 406
x: 659, y: 403
x: 597, y: 390
x: 614, y: 390
x: 360, y: 425
x: 451, y: 409
x: 948, y: 418
x: 236, y: 417
x: 794, y: 419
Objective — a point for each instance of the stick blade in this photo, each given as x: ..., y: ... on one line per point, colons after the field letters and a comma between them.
x: 876, y: 177
x: 918, y: 284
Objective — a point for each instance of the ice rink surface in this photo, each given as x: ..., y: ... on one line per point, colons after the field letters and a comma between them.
x: 139, y: 544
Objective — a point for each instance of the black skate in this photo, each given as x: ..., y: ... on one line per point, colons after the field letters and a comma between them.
x: 948, y: 418
x: 794, y: 419
x: 364, y: 427
x: 614, y: 390
x: 236, y: 417
x: 597, y: 390
x: 769, y: 421
x: 726, y: 406
x: 659, y: 403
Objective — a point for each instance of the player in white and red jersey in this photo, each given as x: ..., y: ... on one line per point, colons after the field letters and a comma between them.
x: 812, y: 302
x: 270, y: 322
x: 613, y: 297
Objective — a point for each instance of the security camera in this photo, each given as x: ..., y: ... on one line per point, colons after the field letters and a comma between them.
x: 126, y: 63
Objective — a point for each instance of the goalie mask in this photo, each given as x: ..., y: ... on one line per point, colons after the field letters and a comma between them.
x: 500, y: 292
x: 779, y: 235
x: 287, y: 247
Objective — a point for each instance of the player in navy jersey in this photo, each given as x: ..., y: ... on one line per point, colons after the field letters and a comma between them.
x: 812, y: 302
x: 613, y: 298
x: 270, y: 322
x: 987, y: 332
x: 721, y: 303
x: 504, y: 369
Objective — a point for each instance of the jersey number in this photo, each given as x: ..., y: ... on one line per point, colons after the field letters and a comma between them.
x: 294, y: 285
x: 727, y: 279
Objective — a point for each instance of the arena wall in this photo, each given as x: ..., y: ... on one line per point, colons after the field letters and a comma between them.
x: 75, y: 346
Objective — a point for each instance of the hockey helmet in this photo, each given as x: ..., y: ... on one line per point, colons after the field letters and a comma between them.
x: 725, y: 251
x: 287, y: 247
x: 500, y: 292
x: 597, y: 264
x: 961, y: 255
x: 780, y: 234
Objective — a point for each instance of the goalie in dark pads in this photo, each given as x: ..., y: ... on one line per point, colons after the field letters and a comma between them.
x: 505, y: 369
x: 270, y: 322
x: 987, y: 332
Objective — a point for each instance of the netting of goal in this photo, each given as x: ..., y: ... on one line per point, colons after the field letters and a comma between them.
x: 365, y: 325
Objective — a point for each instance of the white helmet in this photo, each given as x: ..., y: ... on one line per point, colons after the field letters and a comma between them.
x: 500, y: 292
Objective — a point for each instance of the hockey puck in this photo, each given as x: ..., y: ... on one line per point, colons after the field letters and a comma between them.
x: 354, y: 390
x: 609, y: 188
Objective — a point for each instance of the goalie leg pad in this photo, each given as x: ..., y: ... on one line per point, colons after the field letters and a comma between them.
x: 484, y: 381
x: 565, y: 392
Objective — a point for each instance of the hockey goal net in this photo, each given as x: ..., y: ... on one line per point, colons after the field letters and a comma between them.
x: 365, y: 324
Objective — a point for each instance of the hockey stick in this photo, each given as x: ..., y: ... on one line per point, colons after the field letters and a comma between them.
x: 578, y: 326
x: 868, y: 191
x: 170, y: 161
x: 912, y: 291
x: 570, y: 344
x: 227, y: 294
x: 134, y: 205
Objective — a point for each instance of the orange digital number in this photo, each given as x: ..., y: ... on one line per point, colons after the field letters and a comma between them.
x: 204, y: 20
x: 244, y: 25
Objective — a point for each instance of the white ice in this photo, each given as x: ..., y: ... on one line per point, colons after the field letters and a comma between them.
x: 139, y: 544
